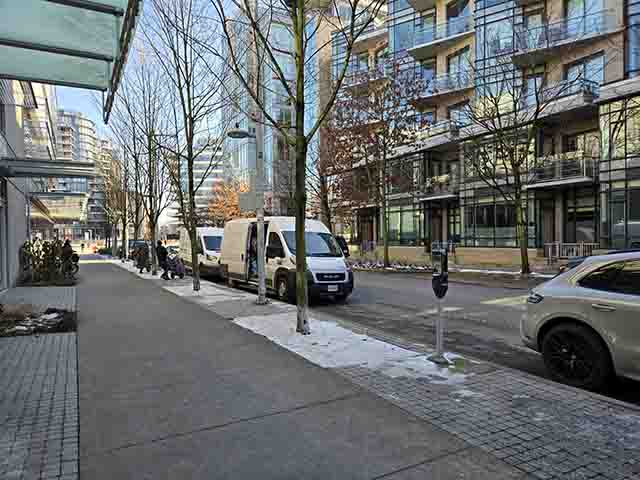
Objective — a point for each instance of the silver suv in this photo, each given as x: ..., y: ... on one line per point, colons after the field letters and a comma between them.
x: 586, y: 321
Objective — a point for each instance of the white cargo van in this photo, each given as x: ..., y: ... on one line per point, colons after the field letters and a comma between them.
x: 209, y: 243
x: 328, y: 274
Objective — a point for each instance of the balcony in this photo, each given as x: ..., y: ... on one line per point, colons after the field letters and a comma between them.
x: 421, y: 5
x: 560, y: 97
x: 370, y: 39
x: 535, y: 45
x: 567, y: 168
x: 442, y: 86
x: 436, y: 37
x: 363, y: 79
x: 440, y: 187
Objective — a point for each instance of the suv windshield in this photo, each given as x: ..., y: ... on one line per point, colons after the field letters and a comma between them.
x: 317, y: 244
x: 212, y: 243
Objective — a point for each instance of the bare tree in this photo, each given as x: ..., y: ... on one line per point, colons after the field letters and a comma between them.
x: 255, y: 49
x: 178, y: 33
x: 373, y: 120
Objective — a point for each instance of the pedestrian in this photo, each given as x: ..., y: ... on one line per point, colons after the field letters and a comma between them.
x: 162, y: 254
x: 142, y: 257
x: 82, y: 247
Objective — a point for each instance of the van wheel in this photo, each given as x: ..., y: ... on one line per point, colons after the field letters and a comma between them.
x: 282, y: 289
x: 574, y: 355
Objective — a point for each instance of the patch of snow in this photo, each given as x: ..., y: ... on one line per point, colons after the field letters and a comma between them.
x: 329, y: 345
x: 333, y: 346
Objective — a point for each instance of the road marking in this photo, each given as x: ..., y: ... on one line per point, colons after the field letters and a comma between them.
x: 434, y: 311
x: 508, y: 301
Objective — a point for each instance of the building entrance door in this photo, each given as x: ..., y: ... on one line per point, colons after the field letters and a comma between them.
x: 547, y: 208
x: 436, y: 225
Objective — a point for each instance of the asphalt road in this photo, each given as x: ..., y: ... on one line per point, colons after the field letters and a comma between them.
x: 481, y: 321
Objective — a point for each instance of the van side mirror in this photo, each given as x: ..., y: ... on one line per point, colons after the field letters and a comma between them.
x: 275, y: 251
x: 344, y: 246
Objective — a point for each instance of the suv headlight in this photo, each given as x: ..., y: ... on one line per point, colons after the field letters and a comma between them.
x: 534, y: 298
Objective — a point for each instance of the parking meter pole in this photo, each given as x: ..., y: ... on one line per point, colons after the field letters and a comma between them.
x: 440, y: 283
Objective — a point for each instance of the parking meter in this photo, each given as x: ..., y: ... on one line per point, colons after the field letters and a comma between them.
x: 440, y: 280
x: 440, y: 284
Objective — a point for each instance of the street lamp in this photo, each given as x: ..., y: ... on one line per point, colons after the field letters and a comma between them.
x: 237, y: 134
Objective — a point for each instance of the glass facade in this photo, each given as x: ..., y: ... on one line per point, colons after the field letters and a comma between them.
x: 620, y: 174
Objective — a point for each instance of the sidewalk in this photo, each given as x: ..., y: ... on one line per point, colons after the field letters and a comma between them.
x: 169, y: 389
x: 540, y: 428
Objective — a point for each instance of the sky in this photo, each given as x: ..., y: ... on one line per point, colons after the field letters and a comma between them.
x: 83, y: 101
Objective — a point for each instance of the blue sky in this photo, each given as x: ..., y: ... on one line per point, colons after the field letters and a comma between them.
x: 83, y: 101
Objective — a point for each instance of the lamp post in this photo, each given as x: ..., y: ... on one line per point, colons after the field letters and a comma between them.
x: 237, y: 134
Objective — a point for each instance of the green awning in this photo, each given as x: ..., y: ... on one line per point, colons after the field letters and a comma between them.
x: 77, y: 43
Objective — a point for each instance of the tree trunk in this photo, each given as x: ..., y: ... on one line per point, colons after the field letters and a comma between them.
x: 125, y: 241
x: 195, y: 263
x: 522, y: 235
x: 301, y: 257
x: 154, y: 252
x: 114, y: 240
x: 385, y: 229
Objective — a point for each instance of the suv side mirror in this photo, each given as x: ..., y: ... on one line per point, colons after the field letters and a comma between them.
x: 275, y: 251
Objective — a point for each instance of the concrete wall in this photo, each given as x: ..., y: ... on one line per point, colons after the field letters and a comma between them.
x: 469, y: 256
x: 16, y: 206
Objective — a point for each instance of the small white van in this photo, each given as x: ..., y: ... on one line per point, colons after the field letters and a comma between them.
x: 328, y: 274
x: 209, y: 244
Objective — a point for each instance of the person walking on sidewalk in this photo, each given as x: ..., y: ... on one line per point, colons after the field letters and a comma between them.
x: 142, y: 257
x: 162, y: 253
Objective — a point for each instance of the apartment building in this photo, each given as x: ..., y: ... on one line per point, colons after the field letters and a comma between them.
x: 574, y: 64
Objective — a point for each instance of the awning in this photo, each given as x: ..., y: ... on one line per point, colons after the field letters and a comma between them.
x: 77, y: 43
x: 34, y: 168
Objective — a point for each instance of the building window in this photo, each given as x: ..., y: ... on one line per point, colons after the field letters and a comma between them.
x: 632, y: 39
x: 459, y: 113
x: 405, y: 225
x: 590, y: 69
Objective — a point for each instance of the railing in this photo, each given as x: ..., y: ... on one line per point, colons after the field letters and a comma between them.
x: 443, y: 126
x: 368, y: 246
x: 565, y: 166
x: 557, y: 250
x: 449, y: 246
x: 440, y: 31
x: 442, y: 184
x: 357, y: 77
x: 564, y: 88
x: 448, y: 82
x: 567, y: 29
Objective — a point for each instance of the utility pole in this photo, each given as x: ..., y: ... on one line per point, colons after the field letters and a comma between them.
x: 259, y: 136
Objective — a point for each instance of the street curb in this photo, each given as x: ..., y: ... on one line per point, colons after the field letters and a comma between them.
x: 379, y: 335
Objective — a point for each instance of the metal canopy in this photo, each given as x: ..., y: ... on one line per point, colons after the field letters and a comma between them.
x: 22, y: 167
x: 77, y: 43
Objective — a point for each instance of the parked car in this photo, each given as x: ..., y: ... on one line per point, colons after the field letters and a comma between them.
x: 209, y: 243
x: 328, y: 274
x: 586, y: 321
x: 575, y: 261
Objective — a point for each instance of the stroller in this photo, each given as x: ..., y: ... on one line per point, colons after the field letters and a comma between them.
x: 175, y: 266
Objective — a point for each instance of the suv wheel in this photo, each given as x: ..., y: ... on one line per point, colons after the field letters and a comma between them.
x: 574, y: 355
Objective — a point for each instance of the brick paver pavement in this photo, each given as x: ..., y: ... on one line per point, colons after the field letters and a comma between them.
x: 39, y: 407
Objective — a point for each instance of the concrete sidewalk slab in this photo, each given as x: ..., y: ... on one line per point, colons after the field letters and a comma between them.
x: 355, y: 438
x: 169, y: 389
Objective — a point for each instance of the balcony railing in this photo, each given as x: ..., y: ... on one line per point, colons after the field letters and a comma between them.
x: 565, y: 166
x: 564, y: 88
x: 444, y: 126
x: 362, y: 76
x: 566, y: 30
x: 447, y: 83
x: 440, y: 31
x: 447, y: 184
